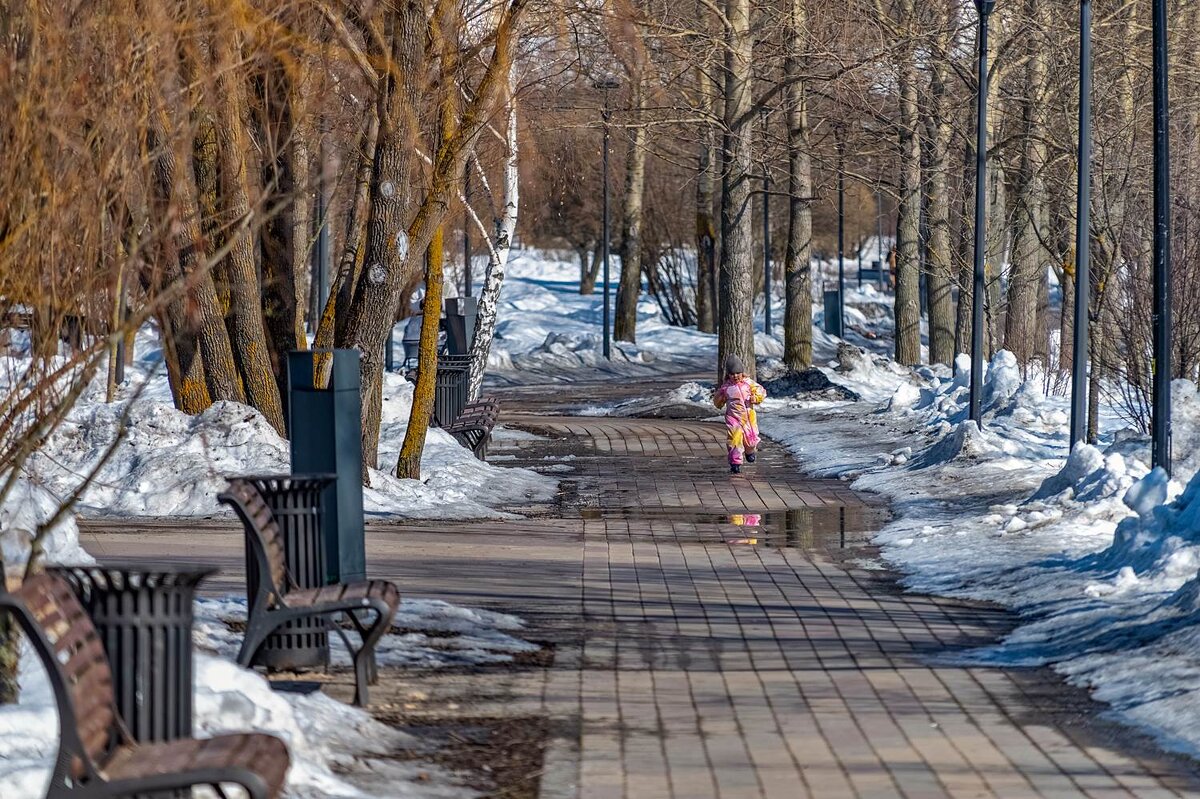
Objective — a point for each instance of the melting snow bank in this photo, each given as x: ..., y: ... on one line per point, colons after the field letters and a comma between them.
x: 330, y: 742
x: 1097, y: 555
x: 172, y: 464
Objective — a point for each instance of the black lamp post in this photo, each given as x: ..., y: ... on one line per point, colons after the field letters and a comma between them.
x: 766, y: 242
x: 1079, y: 362
x: 606, y: 85
x: 841, y: 243
x: 1160, y: 420
x: 979, y: 289
x: 766, y: 221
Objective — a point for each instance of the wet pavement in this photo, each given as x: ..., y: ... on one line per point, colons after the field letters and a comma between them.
x: 719, y: 636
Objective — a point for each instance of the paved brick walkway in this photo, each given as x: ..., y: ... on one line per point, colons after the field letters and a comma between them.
x: 730, y: 637
x: 720, y: 669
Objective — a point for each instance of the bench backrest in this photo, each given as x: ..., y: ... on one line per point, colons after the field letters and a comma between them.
x: 264, y: 534
x: 62, y: 634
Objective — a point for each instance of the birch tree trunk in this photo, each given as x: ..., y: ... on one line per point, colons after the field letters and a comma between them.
x: 908, y: 227
x: 737, y: 234
x: 630, y: 286
x: 493, y: 278
x: 378, y: 294
x: 797, y: 324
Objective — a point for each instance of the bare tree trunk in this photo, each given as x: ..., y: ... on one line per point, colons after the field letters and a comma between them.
x: 337, y: 305
x: 493, y: 279
x: 706, y: 230
x: 245, y: 319
x: 387, y: 267
x: 206, y: 369
x: 997, y: 243
x: 408, y: 465
x: 587, y: 284
x: 940, y: 270
x: 1028, y: 265
x: 285, y: 236
x: 737, y: 234
x: 10, y: 651
x: 962, y: 325
x: 377, y: 297
x: 1066, y: 325
x: 908, y: 227
x: 630, y: 287
x: 797, y: 325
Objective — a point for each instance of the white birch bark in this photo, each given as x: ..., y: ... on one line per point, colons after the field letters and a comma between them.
x: 506, y: 225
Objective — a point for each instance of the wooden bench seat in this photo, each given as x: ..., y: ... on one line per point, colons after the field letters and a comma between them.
x: 278, y: 600
x: 97, y: 757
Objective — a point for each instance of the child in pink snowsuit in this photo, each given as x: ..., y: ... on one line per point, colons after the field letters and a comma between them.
x: 738, y: 395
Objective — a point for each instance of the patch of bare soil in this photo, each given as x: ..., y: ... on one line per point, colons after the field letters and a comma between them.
x: 501, y: 757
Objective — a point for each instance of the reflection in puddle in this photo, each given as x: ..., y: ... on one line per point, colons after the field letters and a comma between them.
x: 805, y: 528
x: 829, y: 527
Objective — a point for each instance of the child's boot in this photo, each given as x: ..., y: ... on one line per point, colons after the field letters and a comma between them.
x: 735, y: 469
x: 751, y: 457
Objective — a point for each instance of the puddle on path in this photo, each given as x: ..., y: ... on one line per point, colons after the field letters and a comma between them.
x: 825, y: 528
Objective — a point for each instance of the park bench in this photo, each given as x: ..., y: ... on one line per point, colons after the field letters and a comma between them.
x: 97, y: 757
x: 278, y: 601
x: 473, y: 427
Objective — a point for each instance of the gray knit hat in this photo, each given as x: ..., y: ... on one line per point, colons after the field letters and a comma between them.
x: 734, y: 365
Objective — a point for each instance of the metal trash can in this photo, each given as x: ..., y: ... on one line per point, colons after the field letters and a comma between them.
x: 459, y: 323
x: 833, y: 313
x: 451, y: 388
x: 325, y: 430
x: 144, y: 618
x: 296, y: 502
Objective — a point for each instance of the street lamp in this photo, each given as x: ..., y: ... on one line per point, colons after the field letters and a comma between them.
x: 841, y: 149
x: 1160, y: 419
x: 766, y: 210
x: 1079, y: 362
x: 985, y: 8
x: 606, y: 85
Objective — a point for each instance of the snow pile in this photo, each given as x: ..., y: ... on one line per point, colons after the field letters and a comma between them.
x: 26, y: 508
x: 1092, y: 550
x: 172, y: 464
